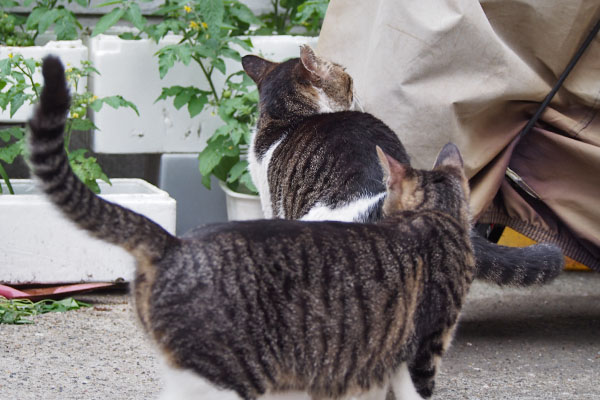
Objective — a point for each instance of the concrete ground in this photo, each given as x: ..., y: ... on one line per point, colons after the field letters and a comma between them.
x: 541, y: 343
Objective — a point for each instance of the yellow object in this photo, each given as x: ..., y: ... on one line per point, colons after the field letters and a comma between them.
x: 512, y: 238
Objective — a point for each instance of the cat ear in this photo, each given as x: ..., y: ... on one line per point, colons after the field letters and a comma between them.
x: 256, y: 67
x: 449, y: 156
x: 319, y: 69
x: 393, y: 171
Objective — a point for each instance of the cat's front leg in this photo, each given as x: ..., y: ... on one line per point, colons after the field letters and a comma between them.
x: 424, y: 366
x: 402, y: 385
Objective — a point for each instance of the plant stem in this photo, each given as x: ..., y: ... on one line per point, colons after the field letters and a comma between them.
x: 68, y: 131
x: 208, y: 78
x: 6, y: 180
x: 30, y: 77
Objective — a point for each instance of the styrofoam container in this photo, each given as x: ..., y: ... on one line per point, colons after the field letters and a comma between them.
x: 130, y: 68
x: 39, y: 245
x: 71, y: 52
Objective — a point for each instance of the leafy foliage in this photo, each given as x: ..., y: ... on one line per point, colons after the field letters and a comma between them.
x: 290, y: 15
x: 18, y: 311
x: 211, y: 33
x: 17, y: 77
x: 22, y: 31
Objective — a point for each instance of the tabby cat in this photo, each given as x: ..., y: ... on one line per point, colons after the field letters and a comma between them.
x: 287, y: 308
x: 312, y: 158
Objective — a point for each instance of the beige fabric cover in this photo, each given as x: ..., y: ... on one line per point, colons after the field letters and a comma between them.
x: 473, y: 73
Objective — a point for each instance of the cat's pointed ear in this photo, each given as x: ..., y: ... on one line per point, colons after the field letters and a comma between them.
x: 256, y: 67
x: 393, y: 171
x: 449, y: 156
x: 318, y: 68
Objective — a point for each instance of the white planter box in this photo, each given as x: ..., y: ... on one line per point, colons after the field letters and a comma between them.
x: 70, y: 52
x: 130, y: 68
x: 241, y: 206
x: 39, y: 245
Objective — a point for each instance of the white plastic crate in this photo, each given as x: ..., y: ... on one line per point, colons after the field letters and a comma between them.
x: 130, y: 68
x: 39, y: 245
x: 71, y: 52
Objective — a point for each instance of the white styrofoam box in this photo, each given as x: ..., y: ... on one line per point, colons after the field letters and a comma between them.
x: 241, y: 206
x: 71, y: 52
x: 130, y: 68
x: 39, y: 245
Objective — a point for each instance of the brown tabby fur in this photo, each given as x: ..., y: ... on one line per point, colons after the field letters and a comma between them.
x: 328, y: 308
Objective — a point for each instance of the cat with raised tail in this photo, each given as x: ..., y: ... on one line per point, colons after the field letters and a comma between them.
x: 313, y: 158
x: 284, y: 308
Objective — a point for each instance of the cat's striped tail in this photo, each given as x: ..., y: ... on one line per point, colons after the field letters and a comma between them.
x: 49, y: 162
x: 516, y: 266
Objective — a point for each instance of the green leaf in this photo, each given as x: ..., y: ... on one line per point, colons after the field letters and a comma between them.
x: 219, y: 64
x: 82, y: 125
x: 166, y: 60
x: 12, y: 151
x: 206, y: 181
x: 213, y: 12
x: 83, y: 3
x: 237, y: 170
x: 16, y: 102
x: 208, y: 159
x: 96, y: 105
x: 230, y: 53
x: 182, y: 99
x: 134, y: 15
x: 31, y: 64
x: 108, y: 20
x: 34, y: 17
x: 244, y: 14
x: 87, y: 169
x: 185, y: 53
x: 66, y: 25
x: 47, y: 19
x: 246, y: 180
x: 245, y: 44
x: 196, y: 105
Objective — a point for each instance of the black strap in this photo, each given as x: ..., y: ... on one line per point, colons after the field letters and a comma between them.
x: 561, y: 79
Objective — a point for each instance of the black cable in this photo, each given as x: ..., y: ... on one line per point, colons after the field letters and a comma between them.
x: 561, y: 79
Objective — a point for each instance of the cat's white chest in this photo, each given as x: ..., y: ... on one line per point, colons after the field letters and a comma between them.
x: 259, y: 171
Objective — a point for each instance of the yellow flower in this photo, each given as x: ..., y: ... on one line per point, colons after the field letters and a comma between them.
x: 75, y: 115
x: 194, y: 25
x: 10, y: 55
x: 204, y: 25
x: 187, y: 9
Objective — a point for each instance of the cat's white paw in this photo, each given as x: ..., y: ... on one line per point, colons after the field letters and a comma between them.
x: 403, y: 386
x: 186, y: 385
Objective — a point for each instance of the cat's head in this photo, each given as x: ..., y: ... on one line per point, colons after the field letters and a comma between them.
x: 444, y: 188
x: 300, y: 86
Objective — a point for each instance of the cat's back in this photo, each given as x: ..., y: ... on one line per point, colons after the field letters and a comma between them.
x: 329, y: 159
x: 346, y: 132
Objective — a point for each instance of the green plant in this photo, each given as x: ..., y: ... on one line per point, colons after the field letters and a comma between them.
x: 21, y: 31
x: 12, y: 28
x: 18, y: 311
x: 17, y: 77
x: 289, y: 15
x: 209, y: 31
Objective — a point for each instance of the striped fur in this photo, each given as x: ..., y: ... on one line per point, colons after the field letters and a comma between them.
x: 260, y: 308
x: 325, y: 160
